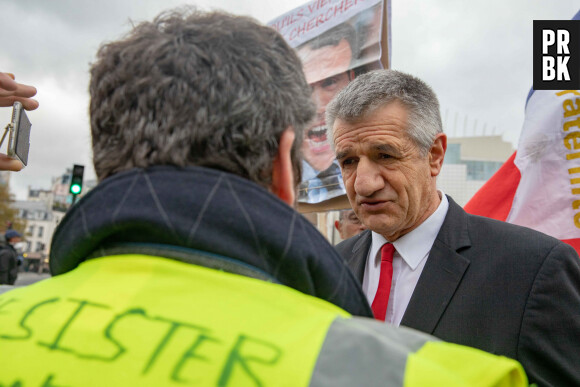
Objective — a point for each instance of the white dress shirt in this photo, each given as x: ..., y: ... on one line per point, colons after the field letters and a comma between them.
x: 412, y: 251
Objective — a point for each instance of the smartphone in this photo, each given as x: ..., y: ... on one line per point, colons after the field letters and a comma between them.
x: 19, y: 139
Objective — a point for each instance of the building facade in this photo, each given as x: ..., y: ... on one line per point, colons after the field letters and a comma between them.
x: 42, y: 211
x: 469, y: 163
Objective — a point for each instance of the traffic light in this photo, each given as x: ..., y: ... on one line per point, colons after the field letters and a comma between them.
x: 76, y: 181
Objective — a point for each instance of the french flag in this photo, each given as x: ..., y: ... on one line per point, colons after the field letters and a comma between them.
x: 539, y: 185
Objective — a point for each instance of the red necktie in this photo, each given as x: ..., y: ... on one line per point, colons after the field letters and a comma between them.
x: 384, y: 290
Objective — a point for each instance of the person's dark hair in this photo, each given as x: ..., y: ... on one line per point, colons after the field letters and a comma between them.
x: 378, y: 88
x: 195, y: 88
x: 332, y: 37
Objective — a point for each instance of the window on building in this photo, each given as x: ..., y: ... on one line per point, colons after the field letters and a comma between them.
x: 481, y: 170
x: 39, y: 246
x: 31, y: 230
x: 453, y: 154
x: 40, y: 231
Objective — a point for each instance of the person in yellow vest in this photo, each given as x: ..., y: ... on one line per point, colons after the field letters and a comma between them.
x: 187, y: 264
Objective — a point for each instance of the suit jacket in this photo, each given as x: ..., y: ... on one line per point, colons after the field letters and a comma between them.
x: 499, y: 287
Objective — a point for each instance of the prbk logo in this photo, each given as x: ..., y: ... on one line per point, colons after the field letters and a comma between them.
x: 556, y: 54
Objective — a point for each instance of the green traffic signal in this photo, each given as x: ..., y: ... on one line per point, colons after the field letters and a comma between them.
x: 75, y: 189
x: 76, y: 183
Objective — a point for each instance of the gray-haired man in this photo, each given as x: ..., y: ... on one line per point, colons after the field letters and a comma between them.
x: 466, y: 279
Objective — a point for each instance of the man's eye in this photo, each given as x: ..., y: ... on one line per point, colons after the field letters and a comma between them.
x: 385, y: 156
x: 329, y: 82
x: 347, y: 162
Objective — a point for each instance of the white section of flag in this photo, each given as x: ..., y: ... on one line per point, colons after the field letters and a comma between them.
x: 544, y: 198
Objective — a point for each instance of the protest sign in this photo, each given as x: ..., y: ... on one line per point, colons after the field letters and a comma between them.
x: 336, y: 40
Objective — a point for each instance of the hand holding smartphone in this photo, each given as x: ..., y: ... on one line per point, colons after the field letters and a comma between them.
x: 18, y: 131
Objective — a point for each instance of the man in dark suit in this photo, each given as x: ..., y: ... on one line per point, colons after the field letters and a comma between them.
x: 427, y: 264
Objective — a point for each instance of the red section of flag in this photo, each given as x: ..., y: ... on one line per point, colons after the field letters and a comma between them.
x: 494, y: 199
x: 575, y: 243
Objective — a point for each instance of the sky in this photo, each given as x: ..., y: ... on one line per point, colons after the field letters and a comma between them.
x: 476, y: 55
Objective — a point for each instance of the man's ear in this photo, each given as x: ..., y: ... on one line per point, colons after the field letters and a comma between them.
x: 282, y: 171
x: 337, y: 225
x: 437, y: 153
x: 351, y: 74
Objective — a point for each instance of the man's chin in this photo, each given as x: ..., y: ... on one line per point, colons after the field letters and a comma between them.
x: 321, y: 149
x: 320, y: 161
x: 381, y: 224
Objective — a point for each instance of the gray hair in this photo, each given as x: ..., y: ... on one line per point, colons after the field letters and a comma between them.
x: 196, y: 88
x: 378, y: 88
x: 343, y: 213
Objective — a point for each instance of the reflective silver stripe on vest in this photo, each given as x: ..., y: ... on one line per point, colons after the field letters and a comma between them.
x: 5, y: 288
x: 364, y: 352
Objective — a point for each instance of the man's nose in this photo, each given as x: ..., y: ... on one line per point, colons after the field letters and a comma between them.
x: 368, y: 179
x: 321, y: 99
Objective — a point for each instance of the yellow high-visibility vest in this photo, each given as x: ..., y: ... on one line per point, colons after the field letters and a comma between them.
x: 135, y: 320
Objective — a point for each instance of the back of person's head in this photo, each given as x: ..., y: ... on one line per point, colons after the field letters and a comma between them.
x: 197, y: 89
x: 378, y: 88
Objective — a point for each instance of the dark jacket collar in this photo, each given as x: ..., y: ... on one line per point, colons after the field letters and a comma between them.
x: 442, y: 273
x: 210, y: 211
x: 454, y: 231
x: 357, y: 258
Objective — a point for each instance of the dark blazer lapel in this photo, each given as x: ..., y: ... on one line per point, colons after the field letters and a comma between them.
x: 442, y: 274
x: 360, y: 250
